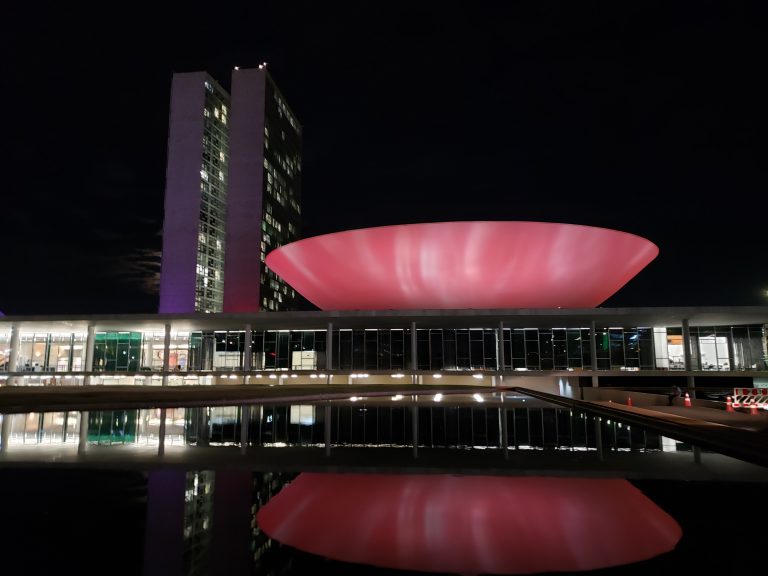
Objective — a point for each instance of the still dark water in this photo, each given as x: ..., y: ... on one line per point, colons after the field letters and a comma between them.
x: 93, y: 522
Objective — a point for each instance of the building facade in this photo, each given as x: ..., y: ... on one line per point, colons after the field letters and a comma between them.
x: 227, y: 150
x: 465, y: 345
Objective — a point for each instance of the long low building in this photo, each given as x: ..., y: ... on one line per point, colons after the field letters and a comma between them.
x: 546, y: 347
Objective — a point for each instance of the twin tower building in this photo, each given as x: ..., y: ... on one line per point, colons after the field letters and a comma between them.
x: 233, y: 193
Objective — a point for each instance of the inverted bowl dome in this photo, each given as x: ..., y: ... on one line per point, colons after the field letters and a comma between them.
x: 452, y: 265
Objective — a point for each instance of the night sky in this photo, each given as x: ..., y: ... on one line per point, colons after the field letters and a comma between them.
x: 629, y: 115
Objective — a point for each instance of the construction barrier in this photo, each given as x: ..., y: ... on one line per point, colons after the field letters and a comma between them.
x: 748, y: 397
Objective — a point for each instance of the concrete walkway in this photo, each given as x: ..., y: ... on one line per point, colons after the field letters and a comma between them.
x: 741, y: 420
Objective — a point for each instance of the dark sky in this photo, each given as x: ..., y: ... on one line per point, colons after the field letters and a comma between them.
x: 629, y: 115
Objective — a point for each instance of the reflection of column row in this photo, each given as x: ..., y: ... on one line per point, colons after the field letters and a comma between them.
x: 145, y: 427
x: 335, y: 425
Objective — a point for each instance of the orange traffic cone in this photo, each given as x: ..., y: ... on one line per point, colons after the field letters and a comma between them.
x: 629, y: 400
x: 753, y: 408
x: 687, y: 400
x: 728, y: 404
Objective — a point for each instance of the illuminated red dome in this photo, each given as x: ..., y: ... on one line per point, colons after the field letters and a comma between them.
x: 470, y: 524
x: 481, y: 265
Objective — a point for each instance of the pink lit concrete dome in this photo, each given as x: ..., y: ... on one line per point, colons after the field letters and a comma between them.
x: 455, y: 265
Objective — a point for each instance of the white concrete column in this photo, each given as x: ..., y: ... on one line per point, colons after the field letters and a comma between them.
x: 13, y: 358
x: 83, y: 436
x: 203, y: 429
x: 166, y: 356
x: 161, y: 431
x: 90, y: 343
x: 5, y: 432
x: 687, y: 345
x: 329, y: 347
x: 247, y: 350
x: 691, y: 384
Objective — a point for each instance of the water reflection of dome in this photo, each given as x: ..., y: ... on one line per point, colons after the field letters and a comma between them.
x: 498, y: 525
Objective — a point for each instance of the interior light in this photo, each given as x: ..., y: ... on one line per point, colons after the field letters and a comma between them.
x: 437, y: 375
x: 478, y: 376
x: 478, y: 398
x: 438, y: 397
x: 397, y: 397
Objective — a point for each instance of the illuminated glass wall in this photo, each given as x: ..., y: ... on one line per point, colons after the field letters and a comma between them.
x: 209, y: 277
x: 718, y: 348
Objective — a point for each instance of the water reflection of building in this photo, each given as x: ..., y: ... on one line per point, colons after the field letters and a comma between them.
x: 198, y: 520
x: 265, y: 486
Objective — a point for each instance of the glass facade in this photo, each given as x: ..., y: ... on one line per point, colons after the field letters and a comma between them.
x: 280, y: 196
x: 45, y: 352
x: 136, y: 355
x: 5, y: 349
x: 209, y: 274
x: 281, y: 218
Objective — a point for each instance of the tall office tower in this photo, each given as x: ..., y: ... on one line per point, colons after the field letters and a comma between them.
x: 264, y: 192
x: 192, y: 274
x: 233, y: 192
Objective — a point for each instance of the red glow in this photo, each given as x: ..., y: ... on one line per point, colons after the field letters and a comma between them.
x: 469, y: 524
x: 481, y: 265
